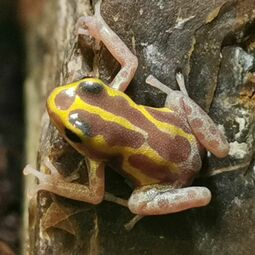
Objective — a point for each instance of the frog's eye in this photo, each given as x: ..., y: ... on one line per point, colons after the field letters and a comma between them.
x: 80, y: 124
x: 91, y: 87
x: 72, y: 136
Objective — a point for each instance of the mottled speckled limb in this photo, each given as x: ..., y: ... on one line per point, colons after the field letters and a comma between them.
x: 203, y: 127
x: 162, y: 199
x: 96, y: 27
x: 205, y: 130
x: 93, y: 193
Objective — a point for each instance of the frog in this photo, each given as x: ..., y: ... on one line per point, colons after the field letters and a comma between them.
x: 159, y: 150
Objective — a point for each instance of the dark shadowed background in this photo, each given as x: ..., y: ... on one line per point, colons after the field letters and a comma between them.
x: 11, y: 126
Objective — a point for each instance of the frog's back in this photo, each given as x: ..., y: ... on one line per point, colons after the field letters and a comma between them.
x: 151, y: 145
x: 168, y: 152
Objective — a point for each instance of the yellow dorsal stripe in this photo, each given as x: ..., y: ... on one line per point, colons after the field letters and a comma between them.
x: 105, y: 115
x: 98, y: 142
x: 80, y: 104
x: 162, y: 126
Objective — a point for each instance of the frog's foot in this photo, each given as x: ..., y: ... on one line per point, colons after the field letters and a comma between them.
x: 47, y: 178
x: 154, y: 82
x: 123, y: 202
x: 54, y: 172
x: 117, y: 200
x: 162, y: 199
x: 131, y: 224
x: 91, y: 25
x: 87, y: 25
x: 43, y: 179
x: 151, y: 80
x: 92, y: 193
x: 181, y: 83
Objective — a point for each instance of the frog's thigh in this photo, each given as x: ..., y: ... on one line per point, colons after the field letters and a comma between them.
x: 163, y: 199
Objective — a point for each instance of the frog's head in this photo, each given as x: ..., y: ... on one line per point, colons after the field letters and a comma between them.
x: 68, y: 104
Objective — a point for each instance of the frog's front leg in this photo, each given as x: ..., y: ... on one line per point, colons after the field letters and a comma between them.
x: 55, y: 183
x: 161, y: 199
x: 202, y: 126
x: 96, y: 27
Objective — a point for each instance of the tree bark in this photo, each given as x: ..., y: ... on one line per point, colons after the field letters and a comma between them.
x: 213, y: 42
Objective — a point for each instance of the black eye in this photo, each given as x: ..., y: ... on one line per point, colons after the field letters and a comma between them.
x: 82, y: 125
x: 91, y: 87
x: 72, y: 136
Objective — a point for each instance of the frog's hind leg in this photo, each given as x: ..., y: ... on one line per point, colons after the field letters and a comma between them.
x: 163, y: 199
x: 202, y: 126
x: 95, y: 26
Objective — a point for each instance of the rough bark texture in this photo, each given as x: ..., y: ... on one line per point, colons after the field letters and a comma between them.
x: 214, y: 44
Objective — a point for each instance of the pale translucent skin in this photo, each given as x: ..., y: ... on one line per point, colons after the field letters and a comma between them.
x: 151, y: 199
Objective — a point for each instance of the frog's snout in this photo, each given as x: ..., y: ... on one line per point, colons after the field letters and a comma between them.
x: 58, y: 104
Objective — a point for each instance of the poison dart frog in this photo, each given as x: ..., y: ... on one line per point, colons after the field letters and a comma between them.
x: 158, y: 149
